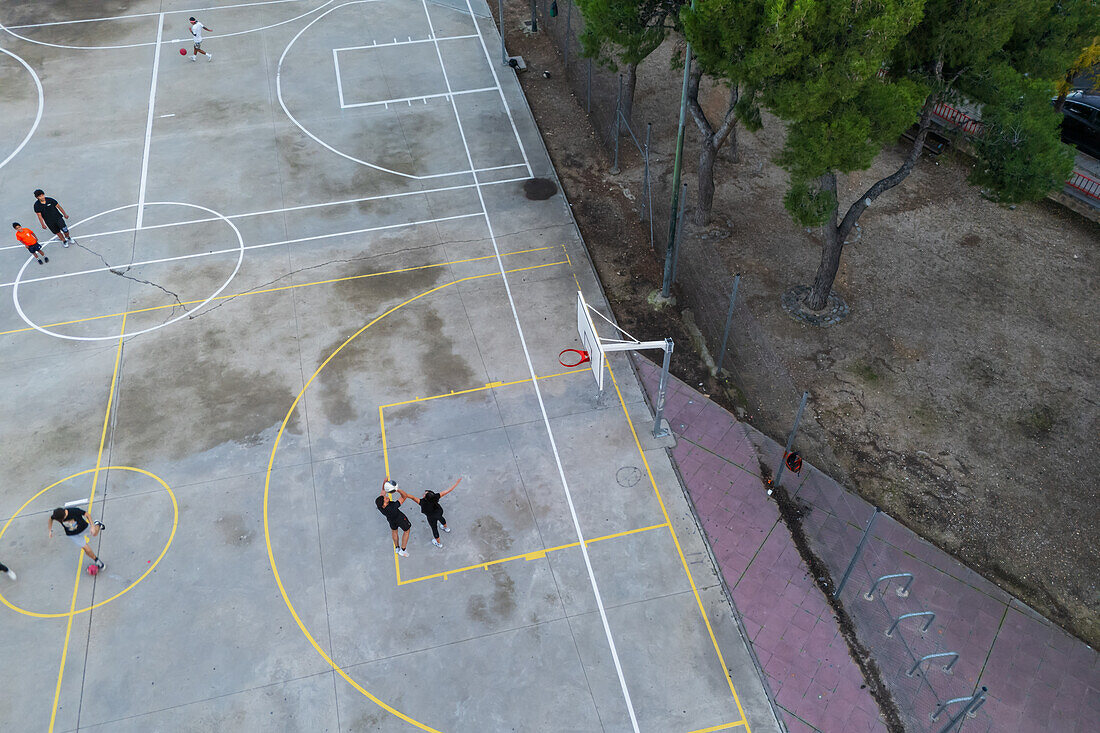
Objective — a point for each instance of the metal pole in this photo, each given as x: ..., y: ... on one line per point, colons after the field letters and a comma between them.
x: 659, y: 432
x: 534, y: 16
x: 790, y: 440
x: 666, y: 287
x: 968, y: 709
x: 615, y: 127
x: 856, y: 554
x: 679, y: 232
x: 645, y: 181
x: 729, y: 320
x: 500, y: 14
x: 568, y: 33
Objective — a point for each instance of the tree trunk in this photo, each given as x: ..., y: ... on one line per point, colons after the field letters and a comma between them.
x: 733, y: 153
x: 710, y: 144
x: 831, y: 248
x: 630, y: 83
x: 882, y: 186
x: 707, y: 154
x: 1060, y: 102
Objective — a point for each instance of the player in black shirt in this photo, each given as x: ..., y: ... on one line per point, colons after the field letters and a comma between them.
x: 74, y: 521
x: 51, y: 215
x: 430, y: 508
x: 389, y: 503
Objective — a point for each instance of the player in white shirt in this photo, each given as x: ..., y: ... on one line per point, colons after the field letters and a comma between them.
x: 196, y: 30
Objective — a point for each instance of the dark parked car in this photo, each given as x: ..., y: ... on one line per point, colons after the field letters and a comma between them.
x: 1081, y: 122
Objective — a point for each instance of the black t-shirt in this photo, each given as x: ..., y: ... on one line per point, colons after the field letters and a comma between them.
x: 48, y: 210
x: 430, y: 503
x: 74, y: 522
x: 391, y: 510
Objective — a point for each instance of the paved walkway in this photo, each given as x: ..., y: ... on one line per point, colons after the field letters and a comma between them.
x: 1039, y: 678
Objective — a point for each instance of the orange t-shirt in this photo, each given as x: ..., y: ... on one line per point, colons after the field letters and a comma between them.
x: 26, y: 236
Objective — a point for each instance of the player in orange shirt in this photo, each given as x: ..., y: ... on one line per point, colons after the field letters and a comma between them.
x: 27, y: 238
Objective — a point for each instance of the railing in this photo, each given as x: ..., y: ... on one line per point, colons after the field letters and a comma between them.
x: 958, y: 119
x: 1088, y: 186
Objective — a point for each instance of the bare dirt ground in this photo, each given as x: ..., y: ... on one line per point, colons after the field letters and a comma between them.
x: 960, y: 395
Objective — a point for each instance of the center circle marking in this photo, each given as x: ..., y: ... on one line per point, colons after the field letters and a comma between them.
x: 171, y: 536
x: 200, y: 306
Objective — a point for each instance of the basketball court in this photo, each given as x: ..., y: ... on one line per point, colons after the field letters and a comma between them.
x: 314, y: 261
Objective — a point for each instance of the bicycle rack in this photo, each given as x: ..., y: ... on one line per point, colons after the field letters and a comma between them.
x: 946, y: 668
x: 931, y: 617
x: 902, y: 592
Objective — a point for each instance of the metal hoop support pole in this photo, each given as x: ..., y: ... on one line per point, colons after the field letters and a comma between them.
x: 658, y: 431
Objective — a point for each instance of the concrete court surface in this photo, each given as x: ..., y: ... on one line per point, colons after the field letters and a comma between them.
x: 289, y: 280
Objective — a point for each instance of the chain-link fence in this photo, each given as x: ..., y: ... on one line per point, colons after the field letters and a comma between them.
x: 911, y: 607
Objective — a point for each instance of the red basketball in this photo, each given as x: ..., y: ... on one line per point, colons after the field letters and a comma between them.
x: 183, y: 52
x: 93, y: 569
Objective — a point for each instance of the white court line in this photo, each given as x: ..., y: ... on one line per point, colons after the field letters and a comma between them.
x: 339, y: 84
x: 10, y: 32
x: 41, y: 104
x: 265, y: 245
x: 538, y: 394
x: 146, y: 15
x: 405, y: 43
x: 493, y: 68
x: 302, y: 207
x: 418, y: 97
x: 149, y: 123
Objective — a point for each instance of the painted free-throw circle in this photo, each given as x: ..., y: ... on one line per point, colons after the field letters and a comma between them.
x: 200, y: 306
x: 41, y: 103
x: 171, y: 536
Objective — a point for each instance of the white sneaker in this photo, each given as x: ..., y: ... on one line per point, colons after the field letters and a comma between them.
x: 403, y: 553
x: 209, y: 57
x: 437, y: 543
x: 11, y: 574
x: 194, y: 57
x: 445, y: 529
x: 65, y: 244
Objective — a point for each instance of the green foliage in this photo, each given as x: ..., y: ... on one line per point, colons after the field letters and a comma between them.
x: 1020, y: 154
x: 1049, y: 35
x: 625, y: 31
x: 825, y: 58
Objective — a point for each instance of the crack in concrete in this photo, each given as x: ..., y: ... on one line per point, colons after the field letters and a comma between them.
x: 122, y: 273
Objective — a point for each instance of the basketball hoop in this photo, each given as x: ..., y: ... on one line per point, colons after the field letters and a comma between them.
x: 581, y: 356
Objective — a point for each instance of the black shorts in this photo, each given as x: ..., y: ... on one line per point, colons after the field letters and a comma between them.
x: 56, y: 226
x: 401, y: 522
x: 34, y: 248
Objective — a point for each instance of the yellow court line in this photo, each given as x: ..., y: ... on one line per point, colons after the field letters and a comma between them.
x: 127, y: 589
x: 267, y: 491
x: 534, y: 555
x: 91, y: 500
x: 724, y: 726
x: 275, y: 290
x: 683, y: 560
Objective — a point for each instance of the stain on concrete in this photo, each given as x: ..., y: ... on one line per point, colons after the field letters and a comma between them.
x: 539, y: 189
x: 407, y: 345
x: 181, y: 399
x: 234, y: 529
x: 498, y: 605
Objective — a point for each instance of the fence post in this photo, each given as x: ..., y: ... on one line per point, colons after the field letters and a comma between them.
x: 729, y: 319
x: 615, y: 127
x: 658, y: 431
x: 534, y: 16
x: 648, y: 183
x: 568, y: 33
x: 856, y: 554
x: 588, y: 89
x: 500, y: 14
x: 790, y: 440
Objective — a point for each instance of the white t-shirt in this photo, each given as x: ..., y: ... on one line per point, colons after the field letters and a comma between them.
x: 196, y: 30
